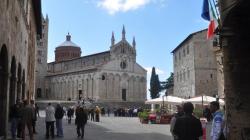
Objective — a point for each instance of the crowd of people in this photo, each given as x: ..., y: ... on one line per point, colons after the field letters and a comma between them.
x: 185, y: 126
x: 22, y: 115
x: 82, y: 114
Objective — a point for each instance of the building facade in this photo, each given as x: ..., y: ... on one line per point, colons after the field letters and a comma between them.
x: 42, y: 52
x: 112, y: 77
x: 20, y: 27
x: 195, y: 69
x: 220, y: 72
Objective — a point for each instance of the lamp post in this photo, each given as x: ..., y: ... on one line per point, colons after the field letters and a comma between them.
x: 163, y: 101
x: 217, y: 97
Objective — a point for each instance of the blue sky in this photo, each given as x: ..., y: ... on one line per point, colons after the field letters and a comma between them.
x: 158, y: 26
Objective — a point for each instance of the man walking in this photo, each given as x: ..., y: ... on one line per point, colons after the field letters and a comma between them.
x: 50, y: 120
x: 14, y: 117
x: 27, y: 115
x: 187, y: 127
x: 216, y: 129
x: 70, y: 114
x: 92, y: 114
x: 34, y: 119
x: 59, y: 115
x: 81, y: 120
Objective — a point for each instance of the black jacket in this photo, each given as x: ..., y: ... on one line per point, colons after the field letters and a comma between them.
x: 81, y: 117
x: 188, y: 127
x: 59, y: 113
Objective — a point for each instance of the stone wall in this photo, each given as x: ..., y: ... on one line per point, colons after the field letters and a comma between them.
x: 184, y: 72
x: 41, y: 67
x: 78, y: 64
x: 19, y: 29
x: 195, y: 67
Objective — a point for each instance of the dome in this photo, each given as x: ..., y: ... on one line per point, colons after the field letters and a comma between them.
x: 67, y: 50
x: 68, y: 42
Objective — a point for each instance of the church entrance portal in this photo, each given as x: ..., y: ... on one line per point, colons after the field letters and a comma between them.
x: 124, y: 98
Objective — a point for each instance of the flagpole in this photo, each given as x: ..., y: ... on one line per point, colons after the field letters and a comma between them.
x: 216, y: 12
x: 202, y: 101
x: 215, y: 9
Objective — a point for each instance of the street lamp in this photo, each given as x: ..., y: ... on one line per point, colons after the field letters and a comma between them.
x: 217, y: 97
x: 163, y: 101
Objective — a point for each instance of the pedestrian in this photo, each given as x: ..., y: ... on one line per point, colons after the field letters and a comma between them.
x: 70, y: 113
x: 92, y: 114
x: 59, y: 113
x: 177, y: 115
x: 187, y: 127
x: 32, y: 102
x: 15, y: 118
x: 27, y: 115
x: 37, y: 110
x: 81, y: 120
x: 50, y: 120
x: 19, y: 123
x: 97, y: 114
x: 103, y: 111
x: 207, y: 113
x: 135, y: 111
x: 108, y: 111
x: 217, y: 129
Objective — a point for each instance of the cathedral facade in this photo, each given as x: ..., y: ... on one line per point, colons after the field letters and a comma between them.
x: 111, y: 76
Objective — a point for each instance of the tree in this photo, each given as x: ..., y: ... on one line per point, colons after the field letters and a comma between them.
x: 168, y: 83
x: 155, y: 86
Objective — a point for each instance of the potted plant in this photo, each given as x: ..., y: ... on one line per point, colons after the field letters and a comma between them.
x: 143, y: 117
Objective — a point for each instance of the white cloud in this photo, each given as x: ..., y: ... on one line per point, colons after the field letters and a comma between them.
x: 158, y: 71
x: 114, y: 6
x: 50, y: 60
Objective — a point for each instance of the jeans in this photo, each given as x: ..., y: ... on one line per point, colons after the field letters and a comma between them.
x: 14, y: 122
x: 50, y: 129
x: 80, y: 130
x: 34, y: 125
x: 59, y: 128
x: 30, y: 129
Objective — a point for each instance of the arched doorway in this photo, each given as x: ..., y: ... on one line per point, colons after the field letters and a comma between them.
x: 3, y: 88
x: 23, y: 85
x: 39, y: 92
x: 12, y: 89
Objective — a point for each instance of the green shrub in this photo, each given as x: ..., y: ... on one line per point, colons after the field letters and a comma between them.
x: 144, y: 115
x: 198, y: 112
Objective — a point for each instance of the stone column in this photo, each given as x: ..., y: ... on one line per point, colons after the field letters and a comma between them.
x: 235, y: 43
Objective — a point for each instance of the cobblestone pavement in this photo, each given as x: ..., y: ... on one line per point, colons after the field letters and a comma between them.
x: 110, y: 128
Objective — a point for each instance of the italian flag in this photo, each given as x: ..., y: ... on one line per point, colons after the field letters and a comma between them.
x: 208, y: 13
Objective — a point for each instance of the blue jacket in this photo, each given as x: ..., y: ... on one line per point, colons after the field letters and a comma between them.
x: 216, y: 125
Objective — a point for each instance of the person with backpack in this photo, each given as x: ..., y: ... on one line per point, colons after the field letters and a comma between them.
x: 59, y: 113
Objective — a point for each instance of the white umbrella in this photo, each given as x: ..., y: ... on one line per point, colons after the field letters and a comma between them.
x: 167, y: 99
x: 206, y: 100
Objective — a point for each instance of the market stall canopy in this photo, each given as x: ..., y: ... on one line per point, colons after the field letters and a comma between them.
x: 167, y: 100
x: 206, y: 100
